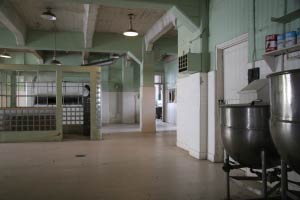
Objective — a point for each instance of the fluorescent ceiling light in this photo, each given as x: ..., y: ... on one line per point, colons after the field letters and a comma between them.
x: 48, y: 15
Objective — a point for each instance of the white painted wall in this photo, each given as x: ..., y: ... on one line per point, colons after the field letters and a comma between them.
x: 215, y: 147
x: 171, y: 113
x: 235, y: 71
x: 120, y: 107
x: 111, y: 105
x: 211, y: 116
x: 129, y: 107
x: 192, y: 114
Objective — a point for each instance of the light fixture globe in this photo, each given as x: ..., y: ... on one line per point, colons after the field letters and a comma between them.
x: 131, y: 32
x: 48, y: 15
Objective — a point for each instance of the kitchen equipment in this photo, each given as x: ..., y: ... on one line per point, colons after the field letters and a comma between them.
x: 245, y: 134
x: 285, y: 115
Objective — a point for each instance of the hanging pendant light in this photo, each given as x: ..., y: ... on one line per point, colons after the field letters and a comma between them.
x: 54, y: 61
x: 48, y: 15
x: 131, y: 32
x: 5, y: 55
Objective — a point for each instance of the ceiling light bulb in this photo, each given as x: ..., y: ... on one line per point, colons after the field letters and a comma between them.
x: 131, y: 33
x: 48, y: 15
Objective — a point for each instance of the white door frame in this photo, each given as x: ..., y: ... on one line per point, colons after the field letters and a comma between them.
x: 219, y: 88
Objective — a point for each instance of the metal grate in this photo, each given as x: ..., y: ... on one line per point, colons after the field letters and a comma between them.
x: 183, y: 63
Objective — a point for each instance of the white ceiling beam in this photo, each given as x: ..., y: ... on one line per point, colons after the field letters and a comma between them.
x: 161, y: 26
x: 89, y: 24
x: 85, y: 57
x: 12, y: 21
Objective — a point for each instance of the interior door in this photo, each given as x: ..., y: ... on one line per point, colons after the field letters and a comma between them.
x: 235, y: 71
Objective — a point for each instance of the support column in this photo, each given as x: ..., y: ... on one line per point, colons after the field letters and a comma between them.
x: 147, y: 94
x: 59, y: 109
x: 94, y: 134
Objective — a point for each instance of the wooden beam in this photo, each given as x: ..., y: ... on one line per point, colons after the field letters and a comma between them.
x: 89, y: 24
x: 12, y: 21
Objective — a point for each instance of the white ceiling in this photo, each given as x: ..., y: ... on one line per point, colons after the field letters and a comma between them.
x: 70, y: 16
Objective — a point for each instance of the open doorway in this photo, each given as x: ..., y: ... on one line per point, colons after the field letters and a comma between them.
x: 158, y: 84
x: 76, y: 105
x: 165, y: 100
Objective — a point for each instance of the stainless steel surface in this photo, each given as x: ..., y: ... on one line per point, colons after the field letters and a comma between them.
x: 285, y: 115
x: 245, y: 133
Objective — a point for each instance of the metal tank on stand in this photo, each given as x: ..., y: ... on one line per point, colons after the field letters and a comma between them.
x: 246, y: 139
x: 285, y: 123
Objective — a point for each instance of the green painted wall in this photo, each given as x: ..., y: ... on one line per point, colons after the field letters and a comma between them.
x: 71, y: 59
x: 171, y: 71
x: 111, y: 77
x: 73, y: 41
x: 231, y: 18
x: 121, y: 77
x: 131, y: 76
x: 20, y: 58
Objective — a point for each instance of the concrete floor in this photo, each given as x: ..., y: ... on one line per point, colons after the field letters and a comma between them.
x: 124, y: 166
x: 135, y: 128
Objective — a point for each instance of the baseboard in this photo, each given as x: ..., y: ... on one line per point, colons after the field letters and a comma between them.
x: 182, y: 145
x: 215, y: 158
x: 198, y: 155
x: 193, y: 153
x: 211, y: 157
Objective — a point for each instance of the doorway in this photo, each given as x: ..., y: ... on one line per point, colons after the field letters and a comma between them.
x: 224, y: 83
x: 165, y: 105
x: 159, y: 91
x: 76, y: 105
x: 230, y: 77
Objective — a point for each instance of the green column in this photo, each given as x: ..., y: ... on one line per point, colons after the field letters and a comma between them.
x: 59, y: 109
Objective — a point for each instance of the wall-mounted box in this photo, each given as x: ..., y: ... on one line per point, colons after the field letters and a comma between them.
x: 190, y: 63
